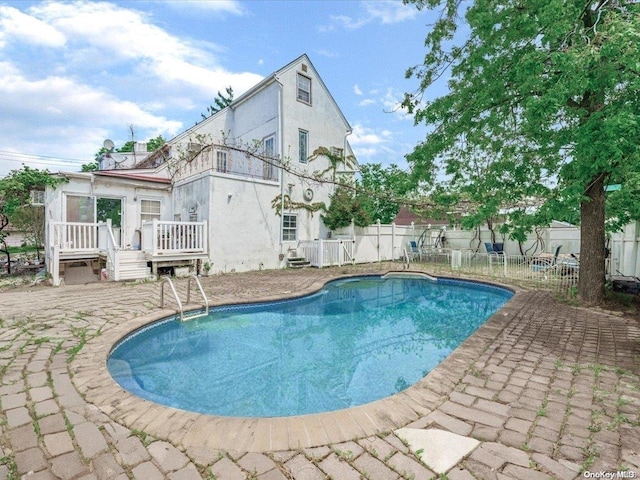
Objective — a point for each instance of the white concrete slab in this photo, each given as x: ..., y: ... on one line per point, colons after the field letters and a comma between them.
x: 438, y: 449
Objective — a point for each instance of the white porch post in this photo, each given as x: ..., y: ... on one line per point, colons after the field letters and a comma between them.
x: 55, y: 266
x: 154, y: 237
x: 205, y: 236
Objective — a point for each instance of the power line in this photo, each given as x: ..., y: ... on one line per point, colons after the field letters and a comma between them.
x: 29, y: 156
x: 44, y: 160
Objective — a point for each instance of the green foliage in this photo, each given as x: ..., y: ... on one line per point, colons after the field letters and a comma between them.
x: 16, y: 187
x: 221, y: 102
x: 344, y: 207
x: 380, y: 190
x: 152, y: 145
x: 16, y: 207
x: 543, y: 108
x: 91, y: 166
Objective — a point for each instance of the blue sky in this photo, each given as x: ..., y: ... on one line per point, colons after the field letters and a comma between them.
x: 75, y: 73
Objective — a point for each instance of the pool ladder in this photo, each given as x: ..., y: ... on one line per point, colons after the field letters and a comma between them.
x: 188, y: 315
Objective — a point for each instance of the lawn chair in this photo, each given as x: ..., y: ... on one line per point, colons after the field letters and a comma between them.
x: 491, y: 250
x: 413, y: 252
x: 546, y: 264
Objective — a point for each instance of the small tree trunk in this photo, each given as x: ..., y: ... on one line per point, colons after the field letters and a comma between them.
x: 5, y: 250
x: 592, y: 243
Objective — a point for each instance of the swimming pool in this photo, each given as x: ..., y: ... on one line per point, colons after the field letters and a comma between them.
x: 355, y: 341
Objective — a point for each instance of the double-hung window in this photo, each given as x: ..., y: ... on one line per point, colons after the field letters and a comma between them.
x: 303, y: 146
x: 269, y: 149
x: 289, y: 227
x: 304, y: 89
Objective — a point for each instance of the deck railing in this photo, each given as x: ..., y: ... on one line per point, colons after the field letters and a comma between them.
x: 76, y: 236
x: 166, y: 238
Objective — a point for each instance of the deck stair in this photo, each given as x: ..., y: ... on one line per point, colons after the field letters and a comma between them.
x: 133, y: 265
x: 188, y: 315
x: 297, y: 262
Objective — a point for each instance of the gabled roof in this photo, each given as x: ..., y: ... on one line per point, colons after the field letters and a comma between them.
x: 269, y: 80
x: 274, y: 77
x: 406, y: 216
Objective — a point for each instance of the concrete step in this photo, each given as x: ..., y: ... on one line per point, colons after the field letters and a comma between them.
x: 137, y: 274
x: 298, y: 262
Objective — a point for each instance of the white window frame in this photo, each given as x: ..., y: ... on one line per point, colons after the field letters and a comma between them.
x: 147, y: 216
x: 37, y: 197
x: 269, y: 152
x: 303, y: 89
x: 303, y: 146
x: 288, y: 229
x: 221, y: 161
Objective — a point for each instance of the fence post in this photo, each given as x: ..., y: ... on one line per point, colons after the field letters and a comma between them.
x: 340, y: 252
x: 504, y: 258
x: 320, y: 253
x: 393, y: 241
x: 378, y: 225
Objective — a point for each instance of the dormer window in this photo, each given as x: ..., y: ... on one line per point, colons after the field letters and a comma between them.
x: 304, y: 89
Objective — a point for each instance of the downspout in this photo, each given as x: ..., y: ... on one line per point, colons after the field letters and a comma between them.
x: 281, y: 157
x: 344, y: 146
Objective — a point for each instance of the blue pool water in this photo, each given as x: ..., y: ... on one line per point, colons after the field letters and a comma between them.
x: 357, y: 340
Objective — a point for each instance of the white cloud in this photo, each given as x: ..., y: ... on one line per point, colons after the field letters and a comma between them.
x: 385, y: 12
x: 16, y: 25
x: 363, y: 136
x: 390, y: 11
x: 57, y: 116
x: 377, y: 145
x: 366, y: 102
x: 232, y: 7
x: 105, y: 67
x: 357, y: 90
x: 105, y: 34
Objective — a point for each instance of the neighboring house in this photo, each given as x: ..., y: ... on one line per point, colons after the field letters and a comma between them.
x: 13, y: 236
x: 213, y: 194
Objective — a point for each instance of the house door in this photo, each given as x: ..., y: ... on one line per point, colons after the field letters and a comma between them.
x: 90, y: 209
x: 110, y: 209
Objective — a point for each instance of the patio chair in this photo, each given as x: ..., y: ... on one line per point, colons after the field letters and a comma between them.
x: 491, y: 250
x: 545, y: 264
x: 413, y: 251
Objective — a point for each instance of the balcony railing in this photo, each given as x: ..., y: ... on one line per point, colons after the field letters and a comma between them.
x: 172, y: 238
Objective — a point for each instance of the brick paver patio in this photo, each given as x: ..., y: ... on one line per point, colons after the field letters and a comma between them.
x: 546, y: 389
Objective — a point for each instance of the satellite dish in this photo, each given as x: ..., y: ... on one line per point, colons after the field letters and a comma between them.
x: 108, y: 144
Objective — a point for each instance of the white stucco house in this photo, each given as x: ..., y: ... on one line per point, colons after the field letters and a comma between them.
x: 214, y: 194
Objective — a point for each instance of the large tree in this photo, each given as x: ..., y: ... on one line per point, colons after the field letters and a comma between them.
x: 545, y: 95
x: 381, y: 190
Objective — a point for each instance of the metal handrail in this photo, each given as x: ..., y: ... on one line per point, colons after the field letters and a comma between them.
x: 204, y: 297
x: 175, y: 295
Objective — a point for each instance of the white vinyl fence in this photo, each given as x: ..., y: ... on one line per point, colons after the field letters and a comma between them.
x: 451, y: 251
